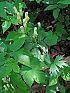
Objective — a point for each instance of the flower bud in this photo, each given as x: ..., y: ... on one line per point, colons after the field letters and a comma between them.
x: 35, y: 32
x: 22, y: 29
x: 15, y: 9
x: 19, y: 18
x: 26, y: 19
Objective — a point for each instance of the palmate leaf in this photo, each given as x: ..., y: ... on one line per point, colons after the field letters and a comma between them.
x: 54, y: 69
x: 57, y: 64
x: 33, y: 75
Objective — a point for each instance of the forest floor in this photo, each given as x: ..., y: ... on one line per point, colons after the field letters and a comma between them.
x: 61, y: 48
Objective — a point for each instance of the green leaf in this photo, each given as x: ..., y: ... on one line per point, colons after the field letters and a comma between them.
x: 59, y: 29
x: 17, y: 43
x: 3, y: 54
x: 38, y: 1
x: 41, y: 33
x: 8, y: 7
x: 18, y: 84
x: 18, y: 40
x: 19, y: 52
x: 27, y: 59
x: 66, y: 73
x: 2, y: 59
x: 61, y: 88
x: 12, y: 36
x: 56, y: 13
x: 53, y: 69
x: 24, y: 59
x: 37, y: 53
x: 68, y: 38
x: 33, y: 75
x: 51, y: 38
x: 47, y: 59
x: 2, y: 11
x: 23, y: 5
x: 17, y: 4
x: 61, y: 18
x: 42, y: 57
x: 60, y: 62
x: 2, y: 72
x: 13, y: 19
x: 5, y: 7
x: 57, y: 64
x: 28, y: 46
x: 51, y: 7
x: 62, y: 6
x: 53, y: 80
x: 64, y: 1
x: 10, y: 65
x: 3, y: 46
x: 2, y: 91
x: 35, y: 63
x: 51, y: 89
x: 6, y: 25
